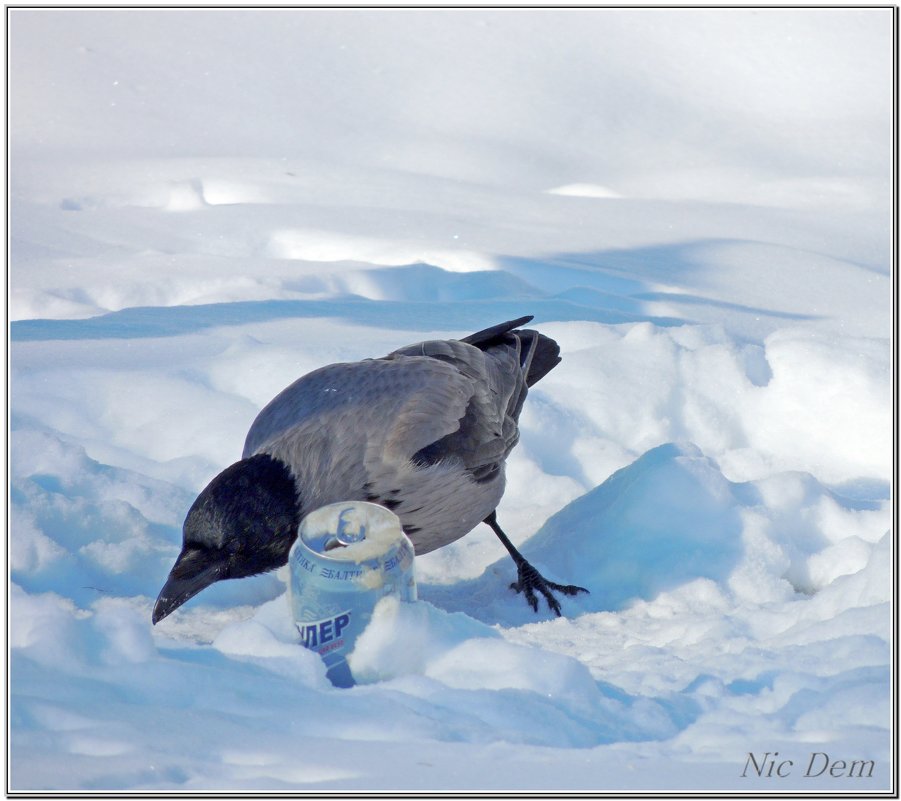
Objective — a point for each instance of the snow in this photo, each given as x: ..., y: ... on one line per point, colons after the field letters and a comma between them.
x: 695, y: 203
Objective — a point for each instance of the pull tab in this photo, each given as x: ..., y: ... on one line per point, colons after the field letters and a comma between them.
x: 349, y: 531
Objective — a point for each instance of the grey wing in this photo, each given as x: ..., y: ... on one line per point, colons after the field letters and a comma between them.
x: 346, y: 425
x: 411, y: 400
x: 456, y: 480
x: 487, y: 431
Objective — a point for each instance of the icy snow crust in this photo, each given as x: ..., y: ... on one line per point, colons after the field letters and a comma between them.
x: 693, y: 203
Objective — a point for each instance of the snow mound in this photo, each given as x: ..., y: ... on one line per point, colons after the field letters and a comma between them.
x: 406, y: 638
x: 671, y: 519
x: 667, y: 519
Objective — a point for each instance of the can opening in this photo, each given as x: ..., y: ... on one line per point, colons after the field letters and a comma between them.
x: 362, y: 528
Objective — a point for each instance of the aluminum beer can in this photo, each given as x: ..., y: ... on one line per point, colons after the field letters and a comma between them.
x: 346, y: 557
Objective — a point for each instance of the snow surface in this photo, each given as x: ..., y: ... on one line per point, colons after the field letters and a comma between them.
x: 695, y: 203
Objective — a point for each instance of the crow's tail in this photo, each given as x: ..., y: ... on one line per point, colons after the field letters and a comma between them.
x: 539, y: 354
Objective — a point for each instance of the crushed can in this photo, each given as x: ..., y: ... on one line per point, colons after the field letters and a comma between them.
x: 346, y: 557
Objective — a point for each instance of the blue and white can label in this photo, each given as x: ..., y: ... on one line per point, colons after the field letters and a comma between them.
x: 347, y: 556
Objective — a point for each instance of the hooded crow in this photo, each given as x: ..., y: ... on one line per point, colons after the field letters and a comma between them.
x: 423, y: 431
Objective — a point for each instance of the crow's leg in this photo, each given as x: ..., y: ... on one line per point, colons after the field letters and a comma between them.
x: 528, y: 578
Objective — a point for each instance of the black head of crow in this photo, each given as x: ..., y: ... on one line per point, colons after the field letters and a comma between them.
x: 423, y: 431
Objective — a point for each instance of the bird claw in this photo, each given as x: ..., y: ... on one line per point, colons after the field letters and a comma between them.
x: 529, y: 580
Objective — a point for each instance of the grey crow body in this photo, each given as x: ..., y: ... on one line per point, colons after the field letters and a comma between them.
x: 423, y: 431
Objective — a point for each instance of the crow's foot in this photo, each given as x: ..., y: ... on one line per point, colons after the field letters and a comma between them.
x: 529, y: 580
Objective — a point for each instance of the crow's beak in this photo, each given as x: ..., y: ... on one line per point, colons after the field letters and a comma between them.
x: 187, y: 577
